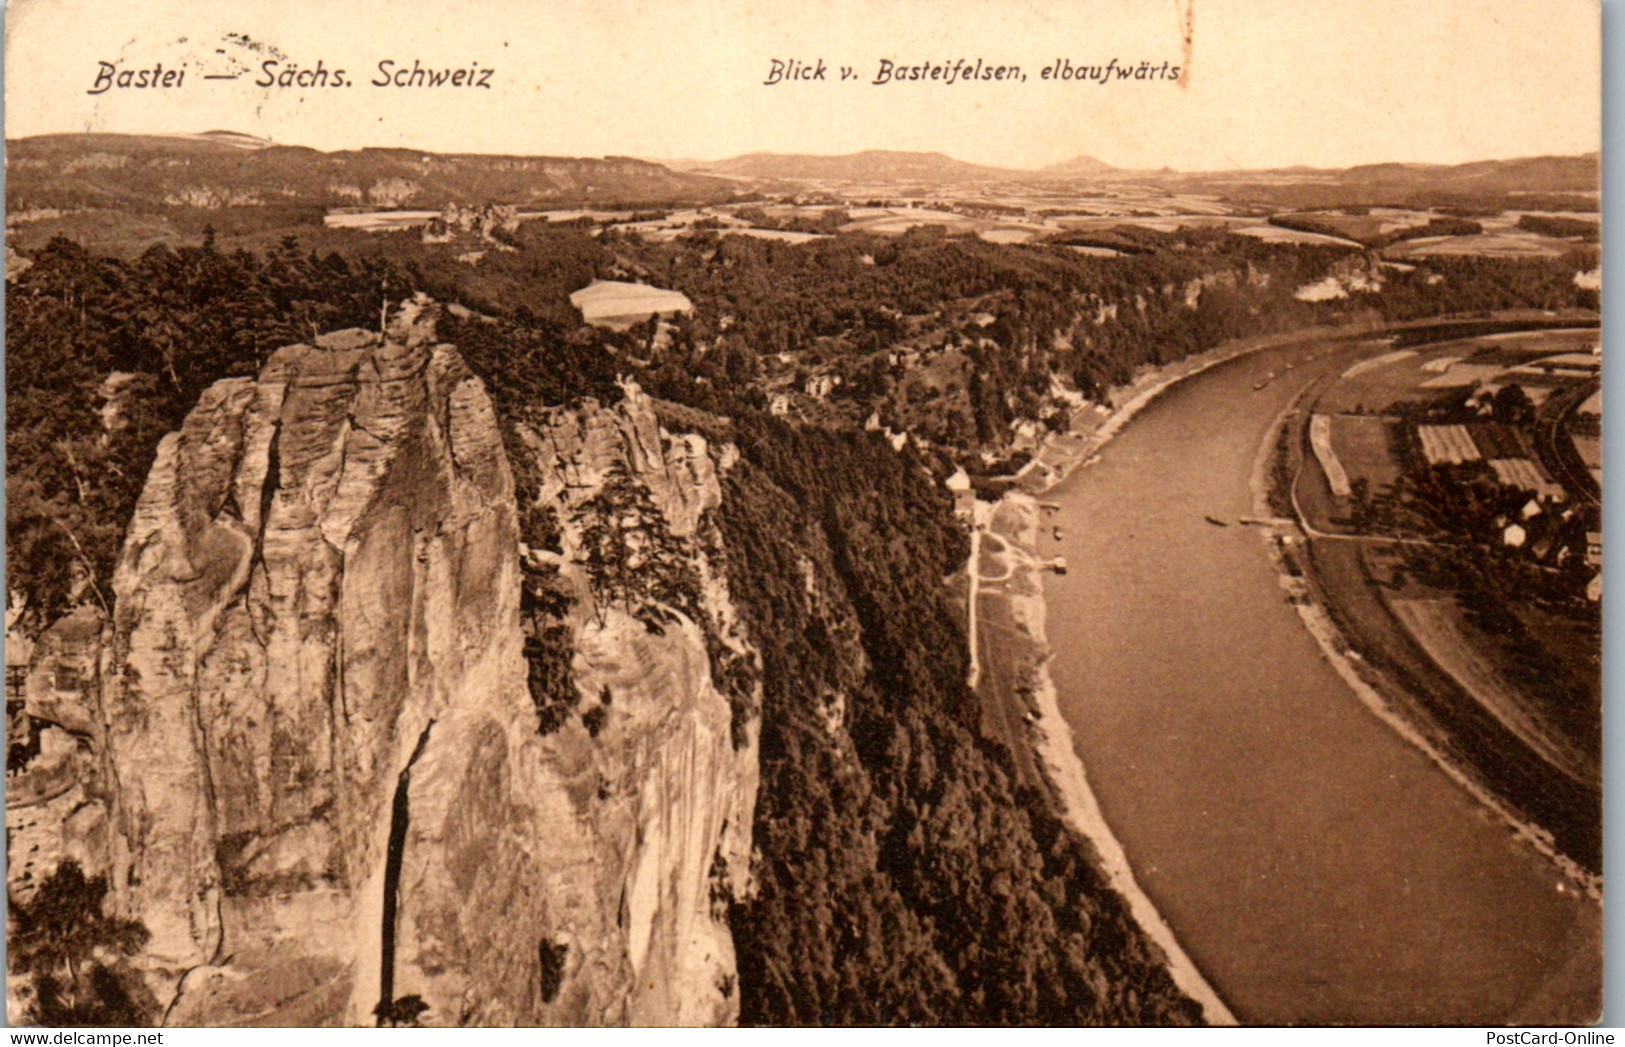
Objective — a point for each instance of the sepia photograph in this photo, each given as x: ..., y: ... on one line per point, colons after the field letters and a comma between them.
x: 830, y: 513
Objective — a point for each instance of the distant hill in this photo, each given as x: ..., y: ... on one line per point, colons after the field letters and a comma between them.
x: 1078, y: 167
x: 1543, y: 174
x: 223, y: 169
x: 874, y: 165
x: 1548, y: 174
x: 150, y: 174
x: 1541, y: 182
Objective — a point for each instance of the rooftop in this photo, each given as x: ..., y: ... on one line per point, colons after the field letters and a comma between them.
x: 607, y: 301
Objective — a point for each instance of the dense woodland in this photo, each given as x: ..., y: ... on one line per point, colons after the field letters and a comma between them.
x: 1432, y: 227
x: 904, y: 877
x: 178, y: 319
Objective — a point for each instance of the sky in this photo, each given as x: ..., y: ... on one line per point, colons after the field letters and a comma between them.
x: 1262, y: 83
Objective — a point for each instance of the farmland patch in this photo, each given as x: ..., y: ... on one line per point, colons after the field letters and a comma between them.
x: 1365, y: 446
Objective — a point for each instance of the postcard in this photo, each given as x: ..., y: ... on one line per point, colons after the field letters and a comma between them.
x: 851, y: 513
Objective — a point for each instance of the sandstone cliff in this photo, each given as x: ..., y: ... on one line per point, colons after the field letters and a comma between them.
x: 660, y: 753
x: 328, y: 785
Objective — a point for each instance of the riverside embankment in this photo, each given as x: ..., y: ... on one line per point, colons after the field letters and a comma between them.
x: 1314, y: 864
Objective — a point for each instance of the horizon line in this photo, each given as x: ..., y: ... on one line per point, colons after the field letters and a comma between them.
x: 667, y: 160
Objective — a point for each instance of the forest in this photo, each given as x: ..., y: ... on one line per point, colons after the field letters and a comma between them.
x: 176, y: 319
x: 904, y: 877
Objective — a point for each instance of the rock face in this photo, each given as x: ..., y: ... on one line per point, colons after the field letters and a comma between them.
x: 328, y: 785
x: 662, y: 782
x: 577, y: 450
x: 54, y: 810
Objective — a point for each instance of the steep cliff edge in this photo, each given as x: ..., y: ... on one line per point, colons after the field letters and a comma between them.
x: 331, y: 795
x: 658, y: 716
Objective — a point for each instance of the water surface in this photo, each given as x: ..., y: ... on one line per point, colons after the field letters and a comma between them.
x: 1316, y: 866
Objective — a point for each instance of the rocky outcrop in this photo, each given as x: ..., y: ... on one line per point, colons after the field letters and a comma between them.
x: 321, y: 571
x: 576, y: 450
x: 54, y: 807
x: 664, y: 781
x: 330, y: 796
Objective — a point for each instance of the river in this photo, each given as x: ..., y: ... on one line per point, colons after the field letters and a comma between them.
x: 1317, y: 867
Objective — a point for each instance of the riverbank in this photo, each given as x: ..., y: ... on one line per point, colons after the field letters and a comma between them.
x: 1015, y: 518
x: 1014, y: 522
x: 1093, y: 425
x: 1360, y: 973
x: 1274, y: 472
x: 1024, y: 692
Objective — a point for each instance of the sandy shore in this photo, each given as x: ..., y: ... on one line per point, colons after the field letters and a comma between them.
x: 1016, y: 520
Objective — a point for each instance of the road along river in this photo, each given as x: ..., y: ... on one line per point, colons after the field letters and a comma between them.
x: 1316, y: 866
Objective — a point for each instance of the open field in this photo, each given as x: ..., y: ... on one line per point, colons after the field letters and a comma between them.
x: 126, y: 234
x: 576, y: 213
x: 782, y: 235
x: 1579, y: 363
x: 1447, y: 443
x: 1589, y: 449
x: 1495, y: 440
x: 1416, y: 634
x: 1365, y: 446
x: 1160, y: 224
x: 1539, y: 342
x: 377, y: 221
x: 1439, y: 627
x: 1463, y: 373
x: 1376, y: 362
x: 1276, y: 235
x: 1007, y: 235
x: 1378, y: 221
x: 1372, y: 386
x: 1510, y: 244
x: 1525, y: 475
x: 1005, y: 214
x: 1358, y: 582
x: 1535, y: 361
